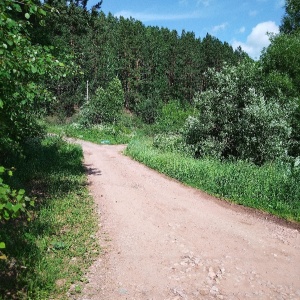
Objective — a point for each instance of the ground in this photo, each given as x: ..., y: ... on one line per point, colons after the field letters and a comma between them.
x: 164, y: 241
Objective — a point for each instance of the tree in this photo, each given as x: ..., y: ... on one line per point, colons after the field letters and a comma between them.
x: 281, y: 59
x: 291, y: 19
x: 23, y: 65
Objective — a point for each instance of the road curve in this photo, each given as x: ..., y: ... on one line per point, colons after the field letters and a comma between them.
x: 165, y: 241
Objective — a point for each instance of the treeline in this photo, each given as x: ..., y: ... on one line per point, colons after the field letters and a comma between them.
x: 243, y: 109
x: 153, y: 64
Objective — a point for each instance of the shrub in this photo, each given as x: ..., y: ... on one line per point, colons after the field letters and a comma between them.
x: 148, y: 110
x: 236, y: 120
x: 105, y: 106
x: 168, y: 142
x: 172, y: 117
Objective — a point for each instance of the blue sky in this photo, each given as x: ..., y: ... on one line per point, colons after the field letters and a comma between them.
x: 238, y: 22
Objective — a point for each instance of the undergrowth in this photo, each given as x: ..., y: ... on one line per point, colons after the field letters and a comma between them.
x: 48, y: 256
x: 271, y: 188
x: 120, y: 133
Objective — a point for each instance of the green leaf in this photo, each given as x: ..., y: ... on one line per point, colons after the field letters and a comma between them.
x: 19, y: 198
x: 6, y: 215
x: 9, y: 206
x: 42, y: 12
x: 33, y: 69
x: 17, y: 207
x: 17, y: 7
x: 21, y: 192
x: 27, y: 16
x: 2, y: 245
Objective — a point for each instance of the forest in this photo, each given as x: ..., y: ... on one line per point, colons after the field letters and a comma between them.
x: 182, y: 103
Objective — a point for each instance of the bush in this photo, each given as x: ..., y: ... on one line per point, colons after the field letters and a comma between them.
x: 170, y: 142
x: 105, y: 106
x: 172, y: 117
x: 236, y: 120
x: 148, y: 110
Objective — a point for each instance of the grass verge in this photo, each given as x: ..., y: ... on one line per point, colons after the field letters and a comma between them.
x: 98, y: 134
x: 48, y: 257
x: 270, y: 188
x: 121, y: 133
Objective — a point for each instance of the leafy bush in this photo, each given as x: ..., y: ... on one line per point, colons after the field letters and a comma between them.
x: 172, y: 117
x: 235, y: 119
x: 170, y: 142
x: 24, y: 66
x: 148, y: 109
x: 282, y: 57
x: 105, y: 106
x: 13, y: 203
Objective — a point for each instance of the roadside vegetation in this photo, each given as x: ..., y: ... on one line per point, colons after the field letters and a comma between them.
x: 48, y: 257
x: 193, y: 108
x: 272, y: 188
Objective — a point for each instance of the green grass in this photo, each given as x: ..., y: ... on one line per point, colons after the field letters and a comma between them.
x: 269, y: 188
x: 120, y: 133
x: 53, y: 251
x: 99, y: 134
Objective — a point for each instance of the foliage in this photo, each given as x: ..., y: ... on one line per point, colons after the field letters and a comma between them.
x: 281, y: 57
x: 172, y: 117
x: 171, y: 142
x: 105, y: 106
x: 272, y: 188
x: 23, y: 64
x: 52, y: 252
x: 148, y: 110
x: 291, y: 19
x: 13, y: 203
x: 153, y: 64
x: 236, y: 120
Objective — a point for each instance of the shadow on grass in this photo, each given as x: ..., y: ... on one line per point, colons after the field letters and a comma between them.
x: 50, y: 171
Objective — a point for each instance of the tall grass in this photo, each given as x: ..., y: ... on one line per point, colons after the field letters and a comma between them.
x: 271, y: 188
x: 52, y: 252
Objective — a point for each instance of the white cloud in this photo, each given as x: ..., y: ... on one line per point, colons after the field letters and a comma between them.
x: 146, y: 17
x: 257, y: 39
x: 219, y: 27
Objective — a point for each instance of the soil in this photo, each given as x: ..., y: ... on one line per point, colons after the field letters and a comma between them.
x: 162, y: 240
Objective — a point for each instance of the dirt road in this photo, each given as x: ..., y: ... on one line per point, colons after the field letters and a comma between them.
x: 163, y: 240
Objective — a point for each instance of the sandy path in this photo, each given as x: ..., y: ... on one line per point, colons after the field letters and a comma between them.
x: 167, y: 241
